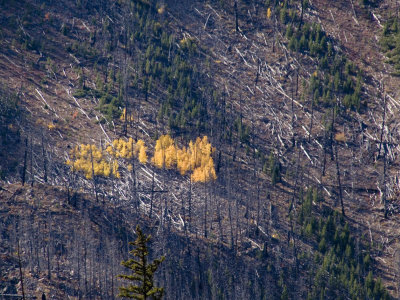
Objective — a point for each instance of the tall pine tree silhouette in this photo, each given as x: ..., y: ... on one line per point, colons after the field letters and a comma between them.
x: 143, y: 272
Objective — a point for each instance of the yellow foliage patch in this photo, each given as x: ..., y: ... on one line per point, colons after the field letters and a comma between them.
x: 196, y: 158
x: 340, y: 137
x: 51, y: 126
x: 91, y: 161
x: 129, y: 116
x: 161, y: 9
x: 269, y: 13
x: 141, y: 151
x: 205, y: 173
x: 164, y: 152
x: 183, y: 160
x: 128, y: 149
x: 275, y: 236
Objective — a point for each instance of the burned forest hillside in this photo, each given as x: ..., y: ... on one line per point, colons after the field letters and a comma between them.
x: 257, y: 141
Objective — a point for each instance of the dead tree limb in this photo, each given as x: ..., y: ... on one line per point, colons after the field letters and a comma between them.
x: 338, y: 179
x: 383, y: 125
x: 20, y: 272
x: 25, y: 158
x: 384, y: 181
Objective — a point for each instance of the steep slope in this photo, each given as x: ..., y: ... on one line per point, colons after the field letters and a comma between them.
x: 295, y: 122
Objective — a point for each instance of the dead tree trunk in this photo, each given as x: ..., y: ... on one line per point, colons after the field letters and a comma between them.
x: 135, y: 193
x: 258, y: 204
x: 152, y: 196
x: 384, y: 181
x: 221, y: 237
x: 20, y: 272
x: 325, y: 152
x: 338, y: 179
x: 231, y: 226
x: 301, y: 14
x: 312, y: 119
x: 295, y: 182
x: 235, y: 7
x: 25, y: 158
x: 383, y: 125
x: 293, y: 134
x: 126, y: 75
x: 31, y: 166
x: 93, y: 175
x: 205, y: 211
x: 44, y: 162
x: 48, y: 245
x: 331, y: 132
x: 190, y: 204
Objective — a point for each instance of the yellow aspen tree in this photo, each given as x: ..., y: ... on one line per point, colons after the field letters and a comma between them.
x: 130, y: 146
x: 136, y: 150
x: 158, y: 158
x: 128, y: 149
x: 205, y: 172
x: 194, y: 154
x: 124, y: 153
x: 205, y: 149
x: 201, y: 160
x: 199, y: 151
x: 183, y: 160
x: 197, y: 157
x: 83, y: 162
x: 142, y: 156
x: 115, y: 166
x: 91, y: 161
x: 269, y: 13
x: 110, y: 150
x: 129, y: 117
x: 106, y: 169
x: 162, y: 144
x: 170, y: 157
x: 198, y: 175
x: 121, y: 148
x: 209, y: 170
x: 115, y: 144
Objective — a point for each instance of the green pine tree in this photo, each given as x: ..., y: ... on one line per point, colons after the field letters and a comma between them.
x: 143, y: 272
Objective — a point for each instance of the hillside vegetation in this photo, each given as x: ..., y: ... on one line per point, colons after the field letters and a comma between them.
x: 255, y: 140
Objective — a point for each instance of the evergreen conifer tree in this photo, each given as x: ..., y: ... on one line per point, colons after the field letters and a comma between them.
x: 143, y: 272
